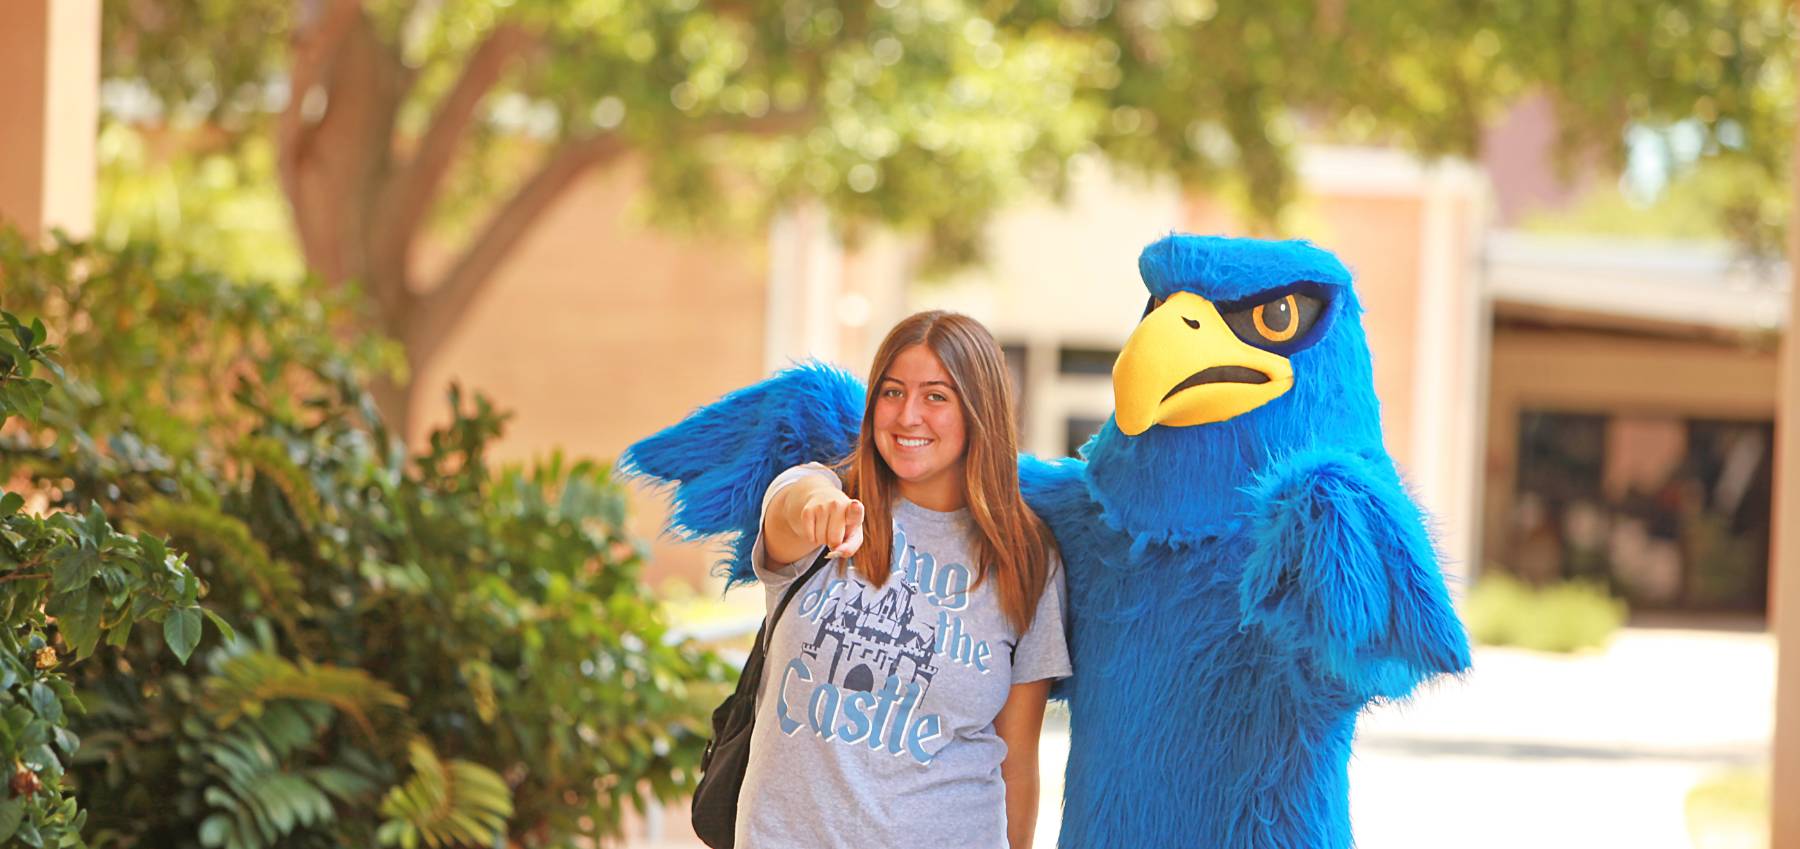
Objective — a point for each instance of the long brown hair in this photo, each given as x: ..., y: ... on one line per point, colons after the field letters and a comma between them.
x: 1015, y: 545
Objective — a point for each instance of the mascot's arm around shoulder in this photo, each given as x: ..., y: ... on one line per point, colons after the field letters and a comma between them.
x: 718, y: 460
x: 1343, y: 573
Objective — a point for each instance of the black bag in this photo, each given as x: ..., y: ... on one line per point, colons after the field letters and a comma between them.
x: 728, y: 755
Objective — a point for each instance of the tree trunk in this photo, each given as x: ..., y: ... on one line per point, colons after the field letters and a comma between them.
x: 360, y: 204
x: 336, y: 152
x: 394, y: 401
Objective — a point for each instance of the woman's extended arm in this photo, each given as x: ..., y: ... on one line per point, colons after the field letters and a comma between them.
x: 808, y: 513
x: 1019, y: 722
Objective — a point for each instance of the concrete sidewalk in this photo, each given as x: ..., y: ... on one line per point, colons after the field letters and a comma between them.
x: 1531, y: 750
x: 1593, y: 750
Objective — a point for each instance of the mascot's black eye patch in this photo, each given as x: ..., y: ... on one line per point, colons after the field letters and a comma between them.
x: 1280, y: 322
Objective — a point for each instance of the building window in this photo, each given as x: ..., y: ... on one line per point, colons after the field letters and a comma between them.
x: 1669, y: 513
x: 1086, y: 361
x: 1016, y: 372
x: 1079, y: 430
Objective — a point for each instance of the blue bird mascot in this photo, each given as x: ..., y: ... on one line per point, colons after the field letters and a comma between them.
x: 1246, y: 571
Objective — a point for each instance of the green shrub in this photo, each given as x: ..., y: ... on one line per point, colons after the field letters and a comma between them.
x: 1730, y: 810
x: 68, y: 581
x: 432, y: 650
x: 1503, y: 611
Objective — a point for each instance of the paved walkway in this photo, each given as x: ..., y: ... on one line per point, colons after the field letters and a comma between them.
x: 1534, y: 750
x: 1596, y: 750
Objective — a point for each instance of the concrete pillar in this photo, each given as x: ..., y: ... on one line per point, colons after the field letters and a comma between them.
x: 1785, y: 598
x: 50, y: 98
x: 1452, y: 341
x: 806, y: 271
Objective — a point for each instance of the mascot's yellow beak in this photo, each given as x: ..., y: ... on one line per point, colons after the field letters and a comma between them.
x: 1184, y: 366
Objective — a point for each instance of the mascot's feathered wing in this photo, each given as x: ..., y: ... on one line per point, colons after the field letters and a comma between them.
x: 1245, y: 569
x: 723, y: 456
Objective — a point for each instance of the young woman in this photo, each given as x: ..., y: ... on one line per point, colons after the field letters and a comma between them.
x: 904, y: 688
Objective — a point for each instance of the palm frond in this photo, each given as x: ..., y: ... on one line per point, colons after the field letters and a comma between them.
x: 456, y: 804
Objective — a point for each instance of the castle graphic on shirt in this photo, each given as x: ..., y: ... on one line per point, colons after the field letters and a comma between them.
x: 868, y: 640
x: 863, y: 676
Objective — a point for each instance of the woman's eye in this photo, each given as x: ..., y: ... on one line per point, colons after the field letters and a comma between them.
x: 1282, y: 325
x: 937, y: 396
x: 890, y: 393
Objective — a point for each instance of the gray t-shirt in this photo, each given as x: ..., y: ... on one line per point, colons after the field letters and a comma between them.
x: 875, y: 718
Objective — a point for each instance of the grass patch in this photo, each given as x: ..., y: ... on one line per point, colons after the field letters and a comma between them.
x: 1504, y: 611
x: 1730, y: 811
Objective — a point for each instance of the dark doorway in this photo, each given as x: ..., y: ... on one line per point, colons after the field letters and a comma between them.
x: 1670, y: 513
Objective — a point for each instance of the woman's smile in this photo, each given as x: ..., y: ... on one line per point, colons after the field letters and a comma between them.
x: 920, y: 430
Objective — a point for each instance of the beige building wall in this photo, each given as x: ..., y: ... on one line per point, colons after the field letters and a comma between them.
x: 49, y: 97
x: 829, y: 302
x: 601, y: 330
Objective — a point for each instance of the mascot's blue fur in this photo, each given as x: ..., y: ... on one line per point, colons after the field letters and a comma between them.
x: 725, y: 454
x: 1238, y: 590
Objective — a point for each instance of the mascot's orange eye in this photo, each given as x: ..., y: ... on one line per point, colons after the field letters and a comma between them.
x: 1277, y: 321
x: 1283, y: 324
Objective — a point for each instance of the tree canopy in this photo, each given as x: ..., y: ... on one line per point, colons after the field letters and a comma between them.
x: 391, y: 117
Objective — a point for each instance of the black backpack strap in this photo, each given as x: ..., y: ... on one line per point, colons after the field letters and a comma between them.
x: 765, y: 633
x: 727, y: 756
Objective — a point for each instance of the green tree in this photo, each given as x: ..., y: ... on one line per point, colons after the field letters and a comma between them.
x: 392, y: 113
x: 434, y: 650
x: 218, y: 207
x: 389, y: 115
x: 1719, y: 199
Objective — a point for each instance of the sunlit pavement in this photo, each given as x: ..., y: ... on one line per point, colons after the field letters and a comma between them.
x: 1532, y: 750
x: 1546, y: 751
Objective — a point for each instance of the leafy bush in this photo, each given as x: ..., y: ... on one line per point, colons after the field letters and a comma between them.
x: 1730, y: 810
x: 68, y: 580
x: 1503, y: 611
x: 433, y: 650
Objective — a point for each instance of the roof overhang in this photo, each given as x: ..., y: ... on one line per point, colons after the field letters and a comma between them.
x: 1611, y: 282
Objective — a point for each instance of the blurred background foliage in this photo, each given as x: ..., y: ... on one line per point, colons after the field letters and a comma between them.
x: 390, y: 122
x: 1730, y: 810
x: 214, y: 207
x: 1568, y: 616
x: 431, y: 650
x: 1724, y: 199
x: 958, y: 94
x: 893, y: 100
x: 68, y: 581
